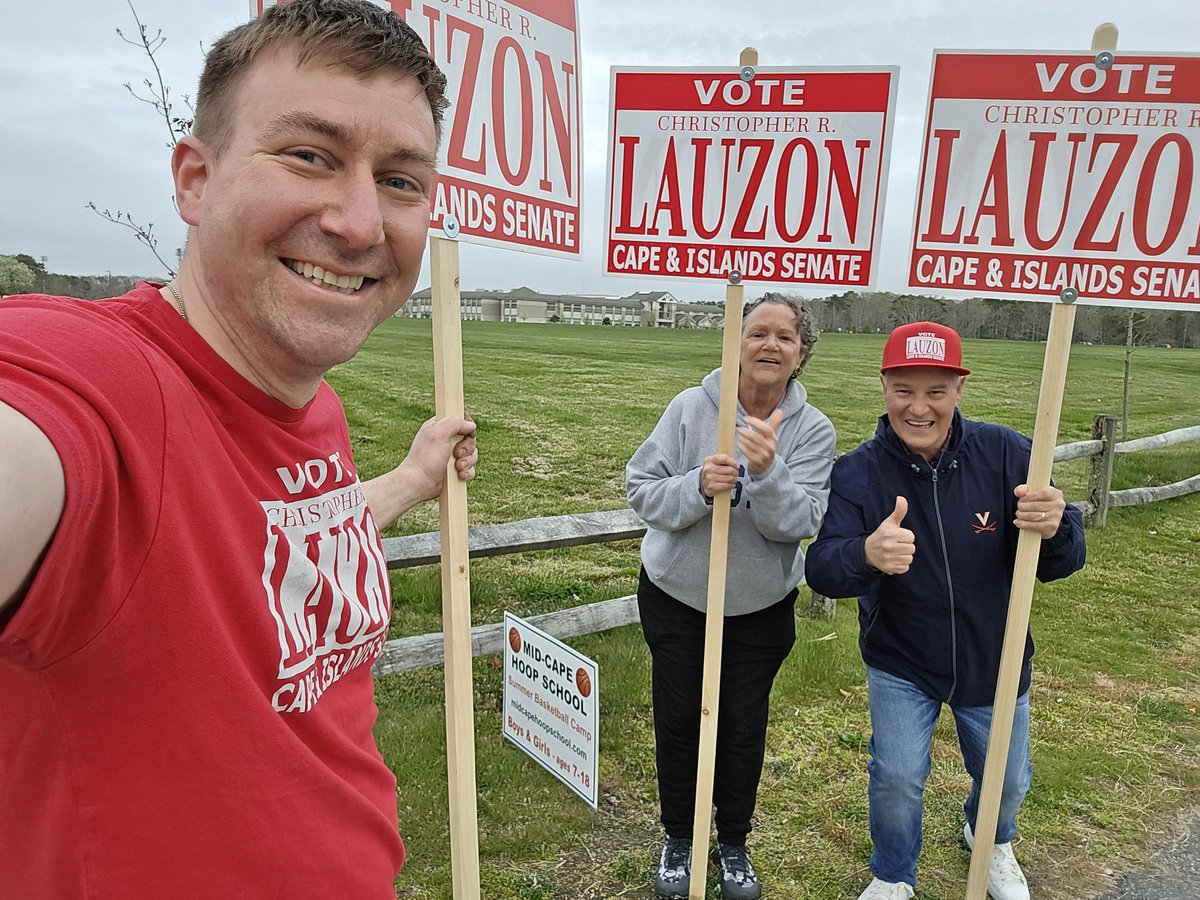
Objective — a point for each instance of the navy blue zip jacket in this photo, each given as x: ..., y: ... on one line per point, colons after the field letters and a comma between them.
x: 941, y: 624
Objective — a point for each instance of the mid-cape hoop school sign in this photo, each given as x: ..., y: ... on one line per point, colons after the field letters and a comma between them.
x: 1047, y: 171
x: 551, y: 705
x: 780, y: 177
x: 509, y: 164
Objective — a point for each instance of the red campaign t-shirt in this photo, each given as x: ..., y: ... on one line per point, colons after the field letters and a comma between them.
x: 186, y: 704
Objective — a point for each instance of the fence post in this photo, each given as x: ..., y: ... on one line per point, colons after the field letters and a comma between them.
x: 821, y: 607
x: 1100, y: 467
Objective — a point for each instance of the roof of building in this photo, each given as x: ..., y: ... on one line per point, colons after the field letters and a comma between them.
x: 636, y: 300
x: 655, y: 295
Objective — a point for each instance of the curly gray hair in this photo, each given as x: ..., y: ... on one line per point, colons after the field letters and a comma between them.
x: 806, y: 322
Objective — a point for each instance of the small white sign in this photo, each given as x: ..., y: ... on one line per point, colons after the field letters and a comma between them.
x: 551, y: 705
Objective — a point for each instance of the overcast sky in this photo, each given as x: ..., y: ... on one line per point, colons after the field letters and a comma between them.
x: 70, y: 133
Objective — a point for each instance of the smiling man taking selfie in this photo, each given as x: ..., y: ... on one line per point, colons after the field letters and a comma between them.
x: 192, y: 583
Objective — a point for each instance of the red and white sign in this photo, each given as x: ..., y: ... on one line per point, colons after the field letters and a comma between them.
x: 1045, y: 171
x: 509, y: 164
x: 780, y: 178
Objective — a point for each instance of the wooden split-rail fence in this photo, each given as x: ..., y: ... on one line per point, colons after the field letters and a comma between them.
x: 550, y: 532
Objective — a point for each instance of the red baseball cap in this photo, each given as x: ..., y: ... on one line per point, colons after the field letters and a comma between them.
x: 924, y: 344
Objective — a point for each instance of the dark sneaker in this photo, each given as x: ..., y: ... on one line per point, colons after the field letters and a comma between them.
x: 674, y: 869
x: 738, y: 881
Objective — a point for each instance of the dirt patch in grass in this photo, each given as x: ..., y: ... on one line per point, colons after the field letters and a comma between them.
x: 1117, y: 688
x: 1077, y: 872
x: 1187, y: 662
x: 618, y: 858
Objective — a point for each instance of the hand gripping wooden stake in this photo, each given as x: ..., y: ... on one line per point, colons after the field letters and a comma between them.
x: 456, y: 580
x: 1045, y: 433
x: 718, y: 554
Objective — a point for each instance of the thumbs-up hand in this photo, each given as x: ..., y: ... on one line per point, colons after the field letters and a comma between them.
x: 758, y: 440
x: 891, y: 546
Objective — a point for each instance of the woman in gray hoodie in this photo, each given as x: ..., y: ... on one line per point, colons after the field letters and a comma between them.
x: 779, y: 480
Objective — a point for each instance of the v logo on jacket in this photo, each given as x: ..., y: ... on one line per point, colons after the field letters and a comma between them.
x: 984, y: 523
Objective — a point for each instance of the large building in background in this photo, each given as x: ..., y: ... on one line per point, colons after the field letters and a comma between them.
x: 647, y: 309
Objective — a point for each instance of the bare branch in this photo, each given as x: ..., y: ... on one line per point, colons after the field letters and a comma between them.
x: 159, y: 93
x: 143, y: 233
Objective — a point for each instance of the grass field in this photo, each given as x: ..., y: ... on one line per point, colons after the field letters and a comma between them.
x: 560, y: 409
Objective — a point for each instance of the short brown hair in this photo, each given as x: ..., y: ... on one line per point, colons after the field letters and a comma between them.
x: 356, y: 34
x: 806, y: 322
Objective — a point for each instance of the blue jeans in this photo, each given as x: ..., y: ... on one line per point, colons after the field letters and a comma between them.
x: 902, y: 720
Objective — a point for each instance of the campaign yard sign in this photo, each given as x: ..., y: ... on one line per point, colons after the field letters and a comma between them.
x: 551, y: 705
x: 1048, y: 171
x: 509, y: 164
x: 776, y: 173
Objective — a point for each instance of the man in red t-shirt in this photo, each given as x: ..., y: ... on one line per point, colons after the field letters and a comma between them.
x: 192, y: 582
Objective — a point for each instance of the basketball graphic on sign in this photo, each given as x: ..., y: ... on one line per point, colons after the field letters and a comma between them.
x: 514, y: 640
x: 584, y: 682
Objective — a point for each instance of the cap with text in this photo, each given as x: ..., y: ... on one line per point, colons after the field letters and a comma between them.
x: 924, y: 344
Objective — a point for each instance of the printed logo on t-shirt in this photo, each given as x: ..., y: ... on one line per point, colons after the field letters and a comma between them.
x: 326, y: 581
x: 737, y: 488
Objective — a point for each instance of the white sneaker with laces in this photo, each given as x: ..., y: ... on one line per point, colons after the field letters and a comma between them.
x: 1006, y: 881
x: 887, y: 890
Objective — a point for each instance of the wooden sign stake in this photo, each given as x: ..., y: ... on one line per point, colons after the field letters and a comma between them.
x: 714, y: 620
x: 1029, y: 545
x: 718, y: 556
x: 456, y: 579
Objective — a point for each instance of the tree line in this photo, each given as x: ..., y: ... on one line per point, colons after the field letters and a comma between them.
x: 1006, y: 320
x: 852, y: 311
x: 23, y: 274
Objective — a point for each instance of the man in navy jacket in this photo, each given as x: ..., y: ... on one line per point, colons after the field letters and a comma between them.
x: 922, y: 527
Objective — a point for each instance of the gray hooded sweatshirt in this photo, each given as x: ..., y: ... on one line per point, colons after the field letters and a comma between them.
x: 770, y: 513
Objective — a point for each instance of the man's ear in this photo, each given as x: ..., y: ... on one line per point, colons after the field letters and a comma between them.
x: 191, y: 165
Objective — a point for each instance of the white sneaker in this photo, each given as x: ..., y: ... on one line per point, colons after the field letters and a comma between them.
x: 1006, y: 881
x: 887, y: 890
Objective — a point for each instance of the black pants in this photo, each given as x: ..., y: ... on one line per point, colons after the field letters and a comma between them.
x: 754, y: 647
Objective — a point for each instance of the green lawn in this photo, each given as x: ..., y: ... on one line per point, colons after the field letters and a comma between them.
x: 560, y: 410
